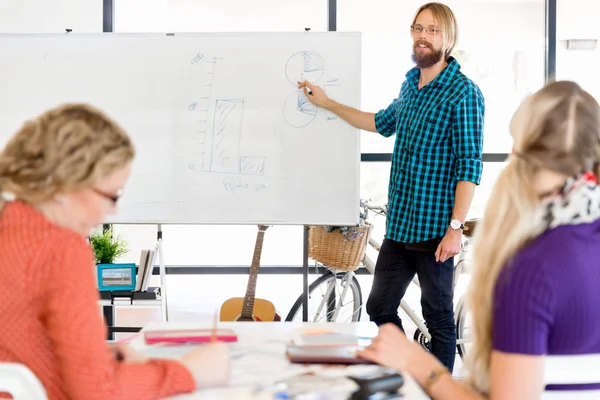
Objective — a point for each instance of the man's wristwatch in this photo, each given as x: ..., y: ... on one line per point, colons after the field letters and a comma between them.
x: 456, y: 224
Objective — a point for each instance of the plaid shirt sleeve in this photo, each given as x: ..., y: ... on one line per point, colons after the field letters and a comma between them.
x: 467, y: 136
x: 385, y: 120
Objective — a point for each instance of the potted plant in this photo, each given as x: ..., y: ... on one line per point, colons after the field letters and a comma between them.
x: 340, y: 247
x: 108, y: 247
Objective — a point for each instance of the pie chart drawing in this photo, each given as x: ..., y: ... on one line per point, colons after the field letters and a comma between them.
x: 304, y: 65
x: 298, y: 111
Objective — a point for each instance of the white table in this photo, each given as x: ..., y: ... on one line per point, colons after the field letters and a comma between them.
x: 259, y: 362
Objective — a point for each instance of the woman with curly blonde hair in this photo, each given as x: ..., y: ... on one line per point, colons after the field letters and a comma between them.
x: 60, y: 175
x: 535, y: 285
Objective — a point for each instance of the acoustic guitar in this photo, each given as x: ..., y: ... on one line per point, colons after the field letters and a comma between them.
x: 249, y: 308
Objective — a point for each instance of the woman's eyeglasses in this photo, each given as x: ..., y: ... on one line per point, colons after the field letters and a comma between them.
x: 112, y: 197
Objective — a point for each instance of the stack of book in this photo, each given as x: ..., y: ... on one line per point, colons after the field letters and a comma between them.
x: 326, y: 347
x: 144, y: 273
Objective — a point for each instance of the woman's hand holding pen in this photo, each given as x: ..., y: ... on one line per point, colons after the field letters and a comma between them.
x: 123, y: 352
x: 209, y: 364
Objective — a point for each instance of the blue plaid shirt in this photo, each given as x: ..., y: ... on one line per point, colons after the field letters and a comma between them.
x: 439, y: 140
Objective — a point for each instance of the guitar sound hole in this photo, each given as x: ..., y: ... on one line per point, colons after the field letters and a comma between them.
x: 246, y: 319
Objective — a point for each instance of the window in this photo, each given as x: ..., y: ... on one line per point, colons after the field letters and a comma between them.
x: 500, y: 47
x: 577, y: 52
x: 491, y: 171
x: 375, y: 190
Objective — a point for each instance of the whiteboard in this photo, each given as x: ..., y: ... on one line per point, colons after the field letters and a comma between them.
x: 222, y: 133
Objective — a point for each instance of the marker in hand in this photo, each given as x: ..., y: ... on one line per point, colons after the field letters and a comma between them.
x: 213, y: 337
x: 306, y: 86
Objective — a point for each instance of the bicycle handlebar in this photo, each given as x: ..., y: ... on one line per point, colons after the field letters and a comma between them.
x: 377, y: 209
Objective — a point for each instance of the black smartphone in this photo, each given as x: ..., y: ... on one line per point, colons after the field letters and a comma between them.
x: 385, y: 381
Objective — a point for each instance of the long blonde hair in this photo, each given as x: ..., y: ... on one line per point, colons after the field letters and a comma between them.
x: 445, y: 17
x: 558, y: 129
x: 64, y: 149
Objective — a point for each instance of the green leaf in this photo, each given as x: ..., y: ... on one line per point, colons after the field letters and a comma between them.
x: 108, y: 246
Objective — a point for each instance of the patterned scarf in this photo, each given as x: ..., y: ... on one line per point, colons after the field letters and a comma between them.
x: 578, y: 202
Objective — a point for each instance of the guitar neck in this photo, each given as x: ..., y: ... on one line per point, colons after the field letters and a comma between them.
x: 248, y: 306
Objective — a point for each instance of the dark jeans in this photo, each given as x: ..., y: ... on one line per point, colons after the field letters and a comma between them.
x: 395, y: 268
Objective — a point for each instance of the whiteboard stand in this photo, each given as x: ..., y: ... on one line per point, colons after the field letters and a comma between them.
x: 305, y: 277
x: 163, y: 275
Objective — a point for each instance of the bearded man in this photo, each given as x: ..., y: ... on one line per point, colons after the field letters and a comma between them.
x: 437, y: 163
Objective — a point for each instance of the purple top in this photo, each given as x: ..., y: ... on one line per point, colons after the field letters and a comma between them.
x: 547, y: 300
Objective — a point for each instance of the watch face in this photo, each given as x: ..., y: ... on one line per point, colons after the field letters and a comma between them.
x: 455, y: 224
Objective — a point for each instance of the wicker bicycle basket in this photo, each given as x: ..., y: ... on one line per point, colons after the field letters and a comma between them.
x: 331, y: 250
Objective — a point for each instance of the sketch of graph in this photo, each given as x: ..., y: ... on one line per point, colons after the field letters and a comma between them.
x: 219, y: 128
x: 226, y: 136
x: 205, y: 71
x: 252, y: 165
x: 298, y: 111
x: 304, y: 65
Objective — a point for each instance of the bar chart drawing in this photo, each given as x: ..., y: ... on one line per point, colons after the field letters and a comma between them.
x: 252, y: 165
x: 224, y: 148
x: 298, y: 110
x: 226, y: 136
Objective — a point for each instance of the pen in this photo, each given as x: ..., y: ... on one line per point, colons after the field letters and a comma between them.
x: 117, y: 353
x: 213, y: 337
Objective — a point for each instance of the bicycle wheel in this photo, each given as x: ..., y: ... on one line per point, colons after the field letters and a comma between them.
x: 463, y: 328
x: 319, y: 289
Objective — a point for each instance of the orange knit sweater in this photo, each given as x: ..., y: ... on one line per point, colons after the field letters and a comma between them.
x: 51, y: 322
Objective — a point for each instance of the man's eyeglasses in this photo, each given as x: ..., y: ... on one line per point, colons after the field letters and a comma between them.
x: 430, y: 30
x: 112, y: 197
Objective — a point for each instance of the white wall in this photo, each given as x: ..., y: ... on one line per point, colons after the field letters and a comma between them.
x: 220, y: 16
x: 50, y: 16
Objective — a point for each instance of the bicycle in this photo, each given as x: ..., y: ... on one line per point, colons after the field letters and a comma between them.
x: 330, y: 283
x: 346, y: 280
